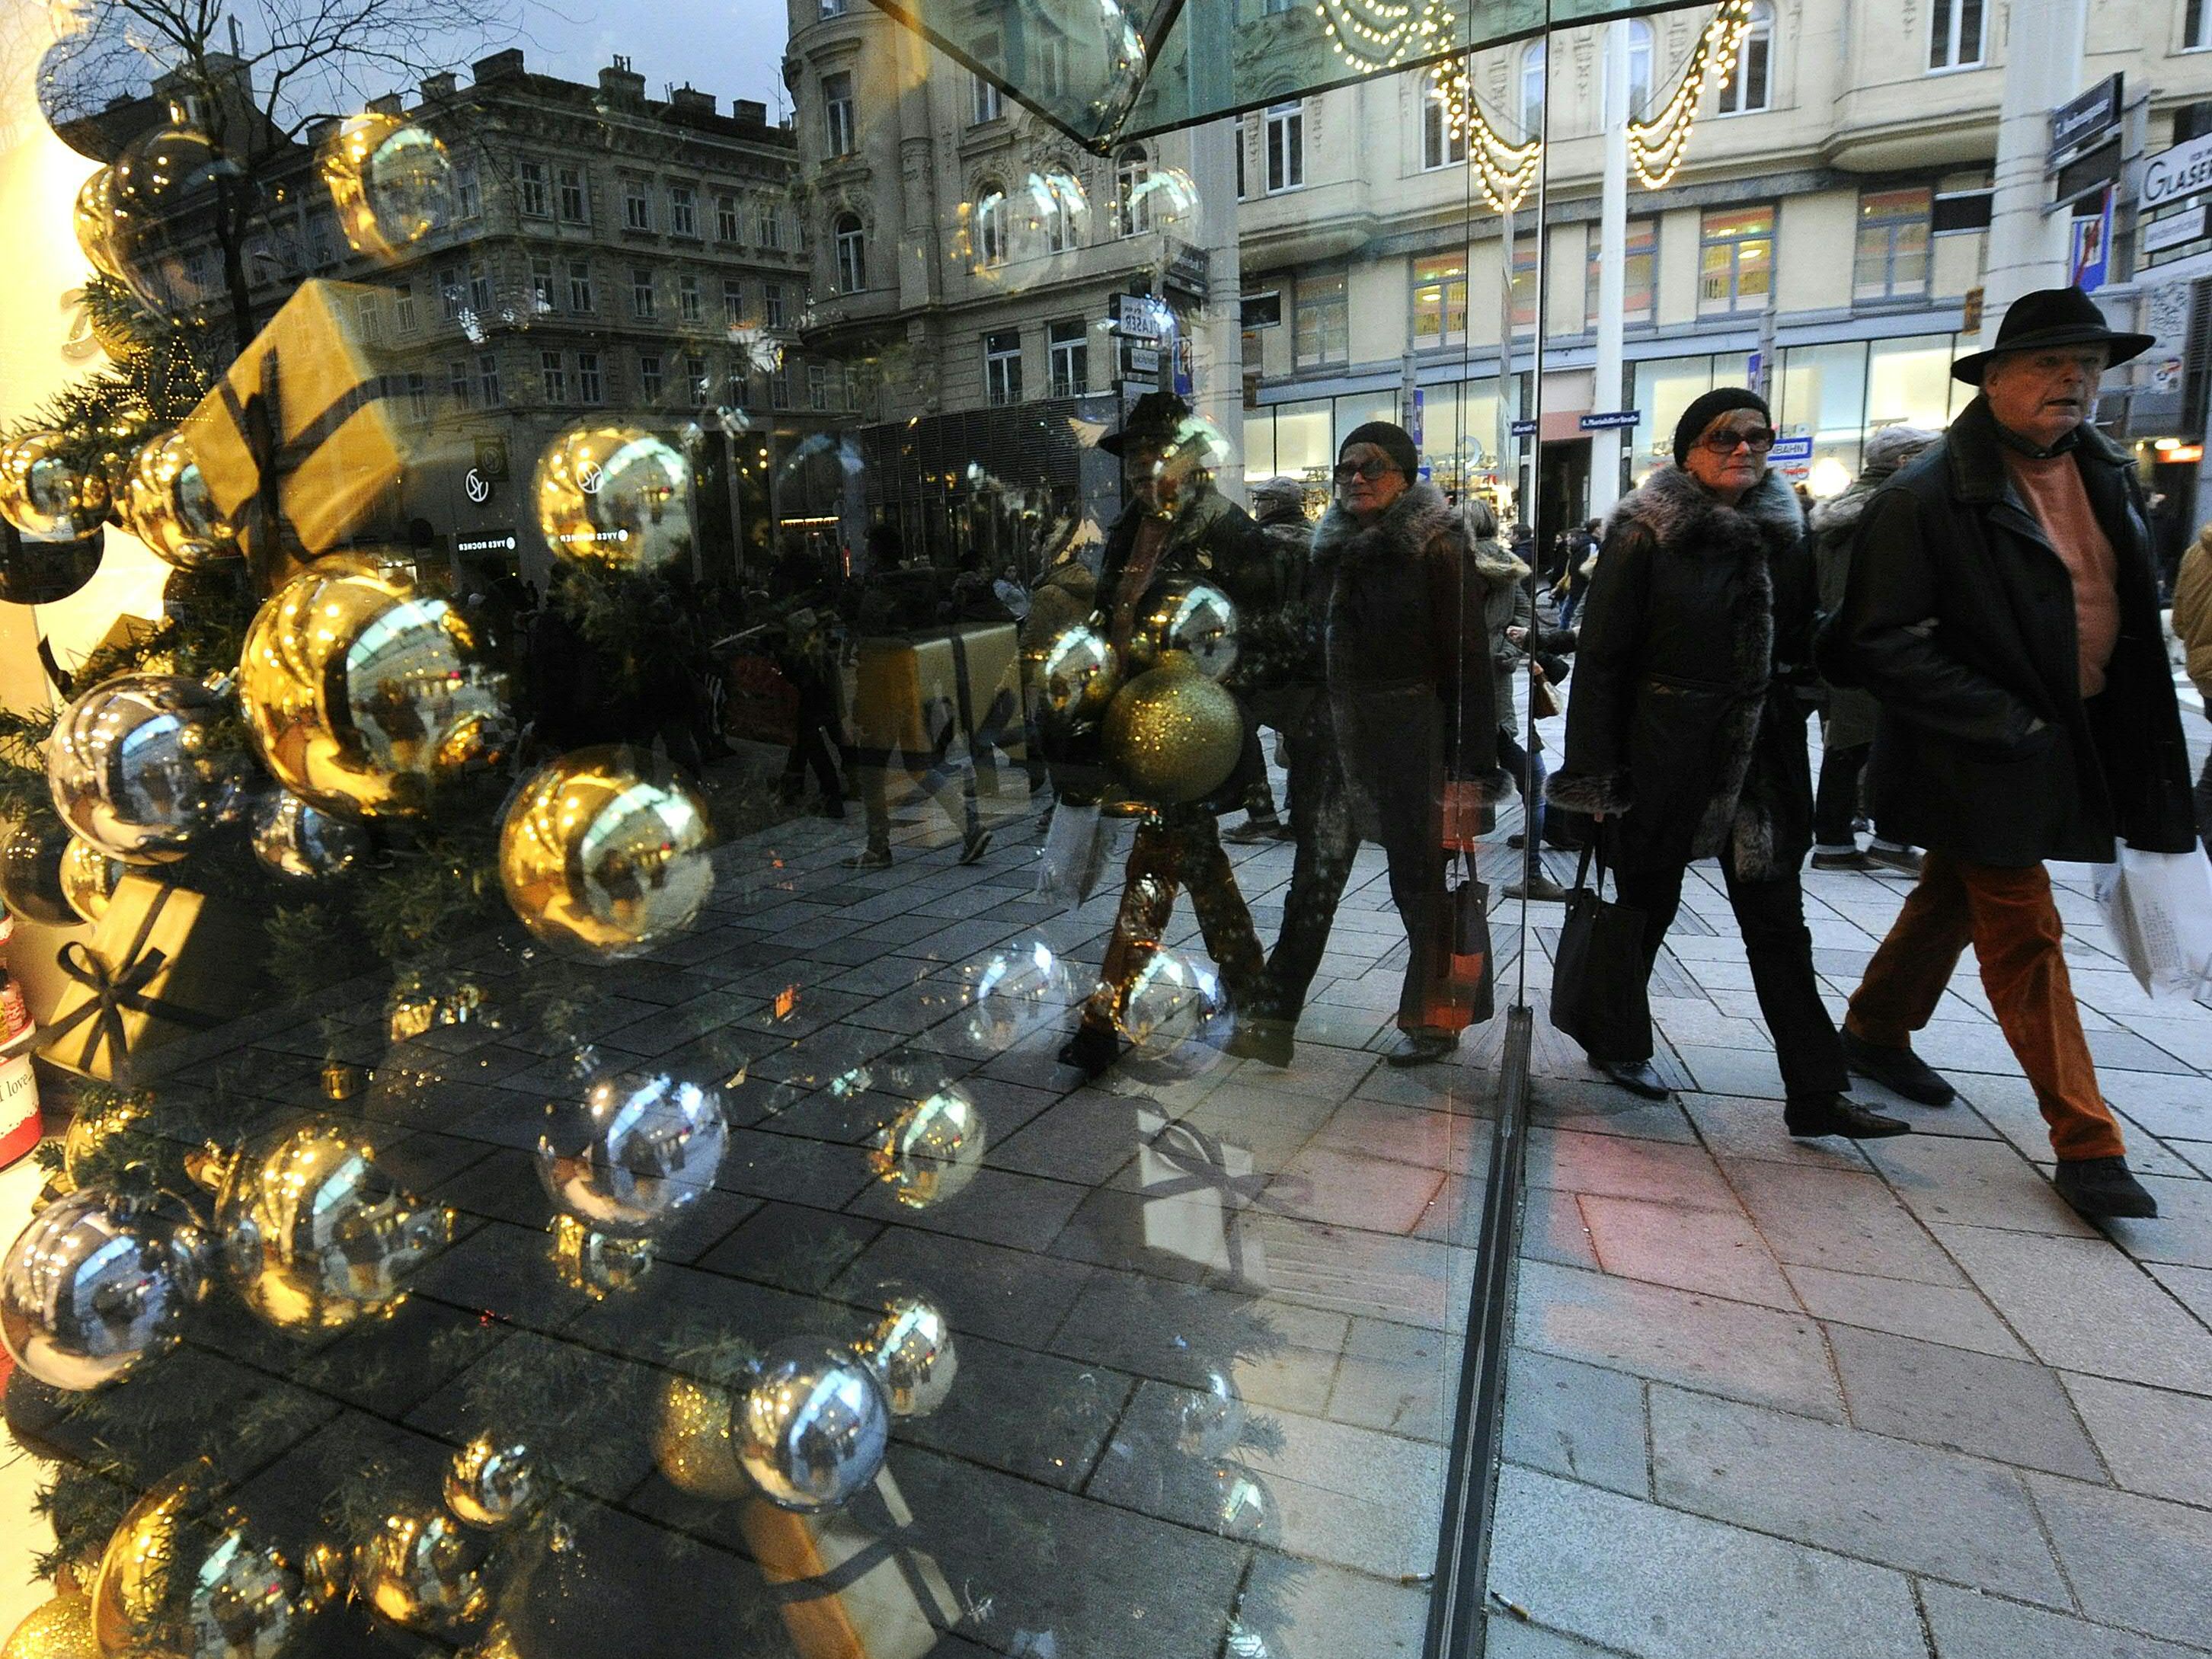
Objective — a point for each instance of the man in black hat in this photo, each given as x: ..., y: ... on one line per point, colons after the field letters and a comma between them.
x: 2004, y: 610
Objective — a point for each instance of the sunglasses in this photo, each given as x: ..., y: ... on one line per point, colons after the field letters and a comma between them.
x: 1374, y: 471
x: 1758, y: 439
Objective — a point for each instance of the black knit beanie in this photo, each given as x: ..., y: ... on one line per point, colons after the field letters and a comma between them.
x: 1704, y: 411
x: 1390, y: 440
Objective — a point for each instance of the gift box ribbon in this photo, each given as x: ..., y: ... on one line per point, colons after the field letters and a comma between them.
x: 112, y: 991
x: 259, y: 417
x: 1206, y: 1169
x: 886, y: 1543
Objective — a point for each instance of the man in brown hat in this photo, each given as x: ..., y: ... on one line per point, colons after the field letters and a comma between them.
x: 2004, y: 610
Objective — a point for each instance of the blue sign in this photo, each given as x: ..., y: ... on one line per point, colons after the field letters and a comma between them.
x: 1788, y: 450
x: 1420, y: 409
x: 2092, y: 261
x: 1753, y: 366
x: 1524, y: 429
x: 1613, y: 421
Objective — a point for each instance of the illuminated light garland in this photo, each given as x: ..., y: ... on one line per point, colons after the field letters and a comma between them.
x: 1381, y: 34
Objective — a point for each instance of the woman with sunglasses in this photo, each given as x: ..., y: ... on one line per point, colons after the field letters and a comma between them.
x: 1686, y: 738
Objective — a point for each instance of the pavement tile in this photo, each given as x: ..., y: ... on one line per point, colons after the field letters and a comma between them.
x: 2155, y: 1440
x: 1595, y: 1106
x: 2191, y: 1286
x: 1846, y: 1490
x: 1646, y: 1580
x: 1733, y: 1127
x: 1617, y: 1167
x: 2134, y: 1562
x: 2182, y: 1233
x: 1841, y: 1219
x: 1584, y: 1422
x: 1553, y: 1228
x: 1309, y: 1606
x: 1967, y: 1625
x: 1709, y: 1251
x: 2011, y: 1410
x: 1011, y: 1296
x: 1347, y: 1189
x: 1950, y: 1314
x: 1400, y: 1379
x: 997, y: 1207
x: 1674, y: 1336
x: 2080, y: 1305
x: 1975, y: 1184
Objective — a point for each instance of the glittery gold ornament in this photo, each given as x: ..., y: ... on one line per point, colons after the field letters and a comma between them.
x: 95, y: 220
x: 169, y: 508
x: 691, y: 1440
x: 362, y: 692
x: 614, y: 495
x: 185, y: 1578
x: 425, y: 1572
x: 60, y: 1630
x: 1172, y: 735
x: 92, y: 1129
x: 46, y: 491
x: 604, y: 853
x: 932, y: 1150
x: 390, y: 181
x: 87, y: 878
x: 314, y: 1236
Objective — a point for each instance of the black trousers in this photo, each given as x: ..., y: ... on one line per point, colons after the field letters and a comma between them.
x: 1771, y: 916
x: 1321, y: 817
x: 1836, y: 807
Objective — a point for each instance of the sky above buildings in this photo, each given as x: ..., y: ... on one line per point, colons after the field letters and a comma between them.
x: 731, y: 48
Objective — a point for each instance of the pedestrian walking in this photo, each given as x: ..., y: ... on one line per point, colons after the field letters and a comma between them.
x: 2004, y: 610
x: 2192, y: 626
x: 1847, y: 714
x: 1410, y: 694
x: 1510, y: 610
x: 1580, y: 569
x: 1686, y: 739
x: 1267, y: 647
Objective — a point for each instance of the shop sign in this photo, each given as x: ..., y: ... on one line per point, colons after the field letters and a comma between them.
x: 1137, y: 316
x: 2186, y: 225
x: 1787, y: 451
x: 1145, y: 360
x: 2170, y: 174
x: 489, y: 541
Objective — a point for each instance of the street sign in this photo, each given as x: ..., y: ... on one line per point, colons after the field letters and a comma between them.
x: 1752, y: 366
x: 2172, y: 174
x: 1524, y: 429
x: 2173, y: 230
x: 1789, y: 450
x: 2092, y: 261
x: 2077, y: 125
x: 1614, y: 420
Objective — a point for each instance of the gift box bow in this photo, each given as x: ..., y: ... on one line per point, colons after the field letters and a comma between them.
x: 1203, y: 1165
x: 888, y: 1541
x: 114, y: 989
x: 260, y: 418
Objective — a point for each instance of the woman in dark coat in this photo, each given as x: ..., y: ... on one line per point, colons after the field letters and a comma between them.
x: 1410, y: 695
x: 1686, y: 739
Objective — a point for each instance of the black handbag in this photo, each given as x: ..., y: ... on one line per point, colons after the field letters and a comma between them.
x: 1598, y: 992
x: 1474, y: 976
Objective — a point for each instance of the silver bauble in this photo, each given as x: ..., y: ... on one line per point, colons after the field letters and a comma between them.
x: 304, y: 842
x: 1177, y: 1017
x: 912, y: 1353
x: 634, y: 1151
x: 1210, y: 1419
x: 492, y: 1481
x: 314, y: 1236
x: 141, y: 766
x: 1243, y: 1508
x: 932, y: 1150
x: 1012, y: 991
x: 1194, y: 617
x: 1078, y: 675
x: 812, y: 1431
x: 98, y: 1283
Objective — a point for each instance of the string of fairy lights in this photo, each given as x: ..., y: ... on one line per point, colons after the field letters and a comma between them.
x: 1382, y: 34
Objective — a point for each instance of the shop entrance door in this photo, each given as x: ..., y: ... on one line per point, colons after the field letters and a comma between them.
x: 1565, y: 498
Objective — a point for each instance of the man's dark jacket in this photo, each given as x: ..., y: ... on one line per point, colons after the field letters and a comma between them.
x: 1959, y: 618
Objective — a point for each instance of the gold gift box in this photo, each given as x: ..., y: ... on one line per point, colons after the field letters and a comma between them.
x: 913, y: 690
x: 879, y: 1614
x: 163, y: 962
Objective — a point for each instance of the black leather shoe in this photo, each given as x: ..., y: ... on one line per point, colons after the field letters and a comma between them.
x: 1423, y: 1047
x: 2101, y: 1186
x: 1838, y: 1115
x: 1637, y: 1077
x: 1268, y: 1041
x: 1899, y: 1070
x: 1091, y: 1050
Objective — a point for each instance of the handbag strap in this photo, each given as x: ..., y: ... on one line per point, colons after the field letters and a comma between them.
x: 1590, y: 854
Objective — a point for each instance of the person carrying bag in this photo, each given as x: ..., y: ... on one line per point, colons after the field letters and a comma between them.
x: 1598, y: 993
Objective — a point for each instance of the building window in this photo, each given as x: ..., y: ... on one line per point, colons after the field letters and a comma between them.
x: 992, y: 219
x: 1955, y: 34
x: 1002, y: 367
x: 1640, y: 68
x: 2195, y: 35
x: 687, y: 298
x: 418, y: 396
x: 838, y: 134
x: 698, y: 384
x: 779, y: 387
x: 683, y: 211
x: 1132, y: 190
x: 1057, y: 197
x: 726, y: 217
x: 850, y: 244
x: 451, y: 293
x: 648, y: 376
x: 531, y: 196
x: 403, y: 308
x: 1321, y: 323
x: 1524, y: 283
x: 1440, y: 300
x: 1443, y: 143
x: 468, y: 196
x: 579, y: 285
x: 772, y: 305
x: 480, y: 291
x: 1532, y: 89
x: 1068, y: 344
x: 833, y: 8
x: 1750, y: 84
x: 1049, y: 63
x: 637, y: 206
x: 541, y: 284
x: 1638, y: 275
x: 488, y: 380
x: 1735, y: 260
x: 770, y: 224
x: 458, y: 385
x: 641, y: 290
x: 1892, y: 258
x: 589, y: 389
x: 1286, y: 146
x: 570, y: 181
x: 984, y: 104
x: 818, y: 387
x: 733, y: 301
x: 555, y: 377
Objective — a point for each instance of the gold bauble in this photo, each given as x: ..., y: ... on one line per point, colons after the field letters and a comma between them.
x: 60, y: 1630
x: 362, y: 692
x: 691, y: 1441
x: 614, y: 496
x: 314, y: 1236
x: 169, y: 508
x: 94, y: 218
x: 931, y: 1151
x: 425, y: 1572
x: 183, y: 1577
x: 599, y: 1264
x: 1172, y: 735
x: 91, y: 1129
x: 390, y: 181
x: 88, y: 877
x: 604, y: 853
x: 48, y: 493
x: 492, y: 1481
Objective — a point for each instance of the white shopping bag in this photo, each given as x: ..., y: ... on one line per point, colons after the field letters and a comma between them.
x: 2159, y: 906
x: 1074, y: 856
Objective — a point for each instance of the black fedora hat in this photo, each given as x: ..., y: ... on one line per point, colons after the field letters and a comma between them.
x: 2052, y: 317
x: 1157, y: 417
